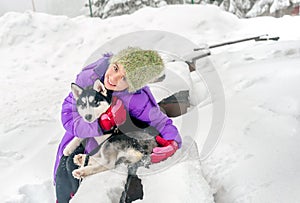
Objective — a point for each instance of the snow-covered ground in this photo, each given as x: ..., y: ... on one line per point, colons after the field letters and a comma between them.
x: 257, y: 159
x: 54, y: 7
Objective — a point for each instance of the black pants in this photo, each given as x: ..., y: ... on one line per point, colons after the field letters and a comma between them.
x: 66, y: 185
x: 133, y: 189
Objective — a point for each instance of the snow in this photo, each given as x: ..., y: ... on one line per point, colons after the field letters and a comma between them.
x: 279, y: 4
x: 261, y: 150
x: 268, y: 6
x: 259, y: 7
x: 256, y: 159
x: 55, y: 7
x: 176, y: 71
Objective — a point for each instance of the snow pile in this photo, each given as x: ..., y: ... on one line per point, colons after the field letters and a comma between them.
x: 256, y: 160
x: 176, y: 84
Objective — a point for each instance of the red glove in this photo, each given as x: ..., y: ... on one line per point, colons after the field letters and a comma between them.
x: 114, y: 115
x: 167, y: 149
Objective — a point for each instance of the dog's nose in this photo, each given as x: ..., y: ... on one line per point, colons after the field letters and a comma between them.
x: 88, y: 117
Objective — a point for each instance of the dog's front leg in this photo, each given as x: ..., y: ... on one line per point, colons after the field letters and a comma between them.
x: 88, y: 170
x: 95, y: 165
x: 79, y: 159
x: 70, y: 148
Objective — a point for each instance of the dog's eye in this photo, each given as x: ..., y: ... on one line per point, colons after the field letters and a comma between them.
x: 81, y: 104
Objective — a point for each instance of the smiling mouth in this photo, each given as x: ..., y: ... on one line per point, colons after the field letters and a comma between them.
x: 110, y: 82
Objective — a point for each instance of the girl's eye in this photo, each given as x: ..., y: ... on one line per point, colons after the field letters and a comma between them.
x: 115, y: 68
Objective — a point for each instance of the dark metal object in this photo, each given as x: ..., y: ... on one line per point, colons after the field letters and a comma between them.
x: 176, y: 104
x: 191, y: 58
x: 90, y: 6
x: 257, y: 38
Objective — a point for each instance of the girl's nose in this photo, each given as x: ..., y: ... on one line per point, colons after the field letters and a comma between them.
x: 112, y: 77
x: 115, y: 77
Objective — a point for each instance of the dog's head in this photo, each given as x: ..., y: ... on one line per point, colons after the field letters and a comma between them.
x: 92, y: 101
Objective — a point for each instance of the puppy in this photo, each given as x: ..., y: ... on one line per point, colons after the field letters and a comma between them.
x: 91, y: 102
x: 131, y: 148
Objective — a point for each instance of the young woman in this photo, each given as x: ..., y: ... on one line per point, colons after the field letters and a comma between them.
x: 125, y: 75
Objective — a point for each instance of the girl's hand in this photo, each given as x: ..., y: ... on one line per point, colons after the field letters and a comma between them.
x: 167, y: 149
x: 114, y: 115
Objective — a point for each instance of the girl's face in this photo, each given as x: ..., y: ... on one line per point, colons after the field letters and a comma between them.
x: 114, y: 78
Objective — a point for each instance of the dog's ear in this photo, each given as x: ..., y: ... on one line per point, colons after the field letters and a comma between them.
x: 76, y: 90
x: 99, y: 87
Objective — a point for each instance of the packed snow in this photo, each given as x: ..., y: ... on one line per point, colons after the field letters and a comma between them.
x: 257, y: 158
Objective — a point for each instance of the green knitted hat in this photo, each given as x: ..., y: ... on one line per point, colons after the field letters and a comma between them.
x: 142, y: 66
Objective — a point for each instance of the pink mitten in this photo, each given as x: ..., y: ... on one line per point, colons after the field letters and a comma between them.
x: 167, y: 149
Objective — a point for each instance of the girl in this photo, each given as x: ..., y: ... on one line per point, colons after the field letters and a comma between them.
x: 125, y: 76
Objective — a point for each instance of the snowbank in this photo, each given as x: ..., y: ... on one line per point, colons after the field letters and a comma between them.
x: 257, y: 159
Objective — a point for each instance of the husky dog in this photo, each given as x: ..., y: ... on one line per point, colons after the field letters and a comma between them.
x: 130, y: 148
x: 91, y: 102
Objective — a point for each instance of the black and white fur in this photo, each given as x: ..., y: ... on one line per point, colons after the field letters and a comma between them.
x: 129, y: 148
x: 91, y: 102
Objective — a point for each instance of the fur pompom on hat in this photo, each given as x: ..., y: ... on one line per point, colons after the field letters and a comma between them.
x: 142, y: 66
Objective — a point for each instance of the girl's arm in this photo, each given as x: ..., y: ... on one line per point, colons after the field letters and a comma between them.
x: 144, y: 107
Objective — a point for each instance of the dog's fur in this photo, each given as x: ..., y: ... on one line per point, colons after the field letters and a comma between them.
x: 91, y: 102
x: 129, y: 148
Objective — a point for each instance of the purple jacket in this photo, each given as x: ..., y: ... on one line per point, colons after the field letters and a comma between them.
x: 140, y: 105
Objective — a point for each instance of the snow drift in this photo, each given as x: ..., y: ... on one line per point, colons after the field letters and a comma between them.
x: 256, y: 160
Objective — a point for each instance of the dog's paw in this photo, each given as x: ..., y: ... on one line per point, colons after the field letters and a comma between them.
x: 79, y: 159
x: 78, y: 173
x: 67, y: 151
